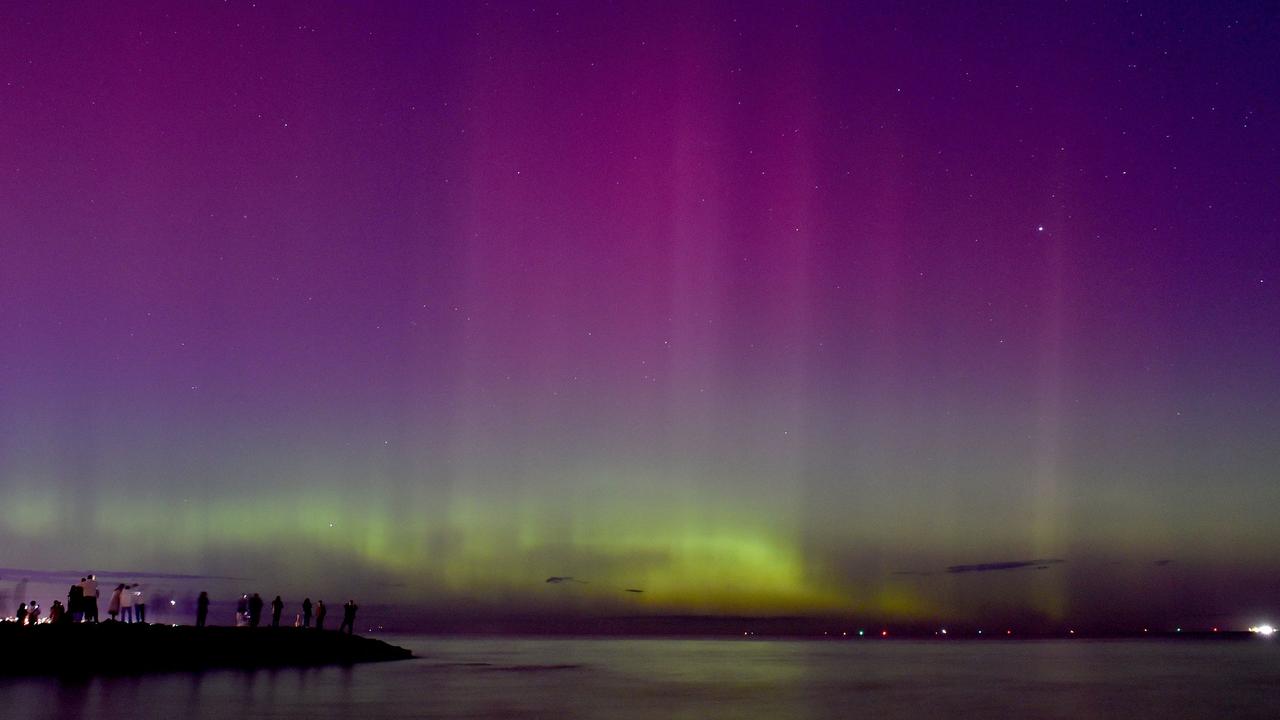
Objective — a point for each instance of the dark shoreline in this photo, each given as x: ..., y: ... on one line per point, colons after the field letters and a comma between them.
x: 124, y: 649
x: 785, y: 627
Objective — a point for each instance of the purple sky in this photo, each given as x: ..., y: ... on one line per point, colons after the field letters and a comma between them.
x: 754, y: 307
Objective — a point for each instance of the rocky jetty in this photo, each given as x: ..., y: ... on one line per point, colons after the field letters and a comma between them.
x: 118, y: 648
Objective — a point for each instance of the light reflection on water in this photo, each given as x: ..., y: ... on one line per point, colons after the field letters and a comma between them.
x: 584, y: 678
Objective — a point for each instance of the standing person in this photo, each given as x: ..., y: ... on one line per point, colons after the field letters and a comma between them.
x: 33, y: 612
x: 113, y: 606
x: 255, y: 610
x: 139, y: 603
x: 242, y: 611
x: 277, y: 607
x: 320, y: 611
x: 75, y: 601
x: 126, y: 604
x: 306, y: 613
x: 90, y: 599
x: 349, y: 617
x: 56, y: 613
x: 202, y: 608
x: 22, y: 614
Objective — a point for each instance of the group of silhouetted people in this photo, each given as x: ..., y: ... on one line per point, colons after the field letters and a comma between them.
x: 29, y: 613
x: 249, y: 612
x: 82, y: 600
x: 128, y: 603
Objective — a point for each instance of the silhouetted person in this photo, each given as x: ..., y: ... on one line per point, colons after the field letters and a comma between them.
x: 255, y: 610
x: 306, y: 613
x: 57, y: 613
x: 90, y: 585
x: 126, y: 604
x: 75, y: 601
x: 349, y: 616
x: 139, y: 603
x: 277, y: 607
x: 22, y: 613
x: 320, y: 612
x: 113, y: 605
x: 202, y: 609
x: 33, y: 612
x: 242, y: 611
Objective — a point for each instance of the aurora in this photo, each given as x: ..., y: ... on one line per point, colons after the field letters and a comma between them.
x: 757, y: 310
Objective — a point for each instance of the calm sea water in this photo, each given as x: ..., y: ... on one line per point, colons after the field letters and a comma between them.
x: 584, y: 678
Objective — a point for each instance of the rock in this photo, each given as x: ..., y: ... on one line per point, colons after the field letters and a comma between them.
x: 118, y: 648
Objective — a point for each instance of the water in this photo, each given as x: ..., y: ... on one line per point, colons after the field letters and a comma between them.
x: 620, y: 679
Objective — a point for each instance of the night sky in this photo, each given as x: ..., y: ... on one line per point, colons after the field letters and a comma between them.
x: 911, y: 313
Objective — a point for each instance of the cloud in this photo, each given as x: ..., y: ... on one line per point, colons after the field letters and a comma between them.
x: 1042, y: 564
x: 563, y: 579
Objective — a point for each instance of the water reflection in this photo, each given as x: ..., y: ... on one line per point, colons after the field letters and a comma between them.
x: 456, y: 678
